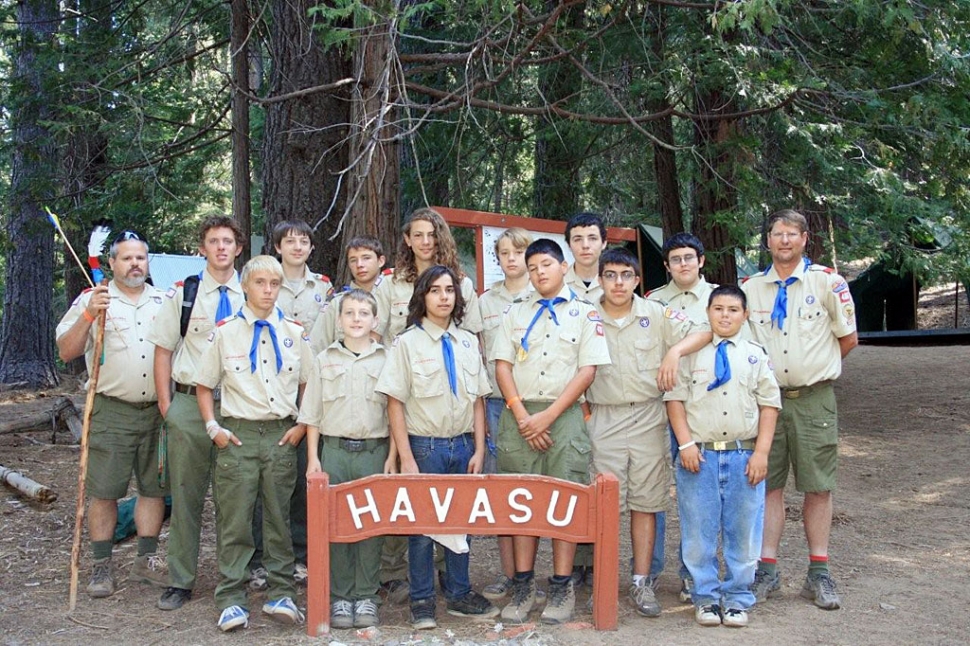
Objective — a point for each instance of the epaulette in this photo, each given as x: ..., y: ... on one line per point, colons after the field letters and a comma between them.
x: 758, y: 345
x: 583, y: 300
x: 287, y: 318
x: 745, y: 279
x: 324, y: 277
x: 827, y: 270
x: 180, y: 283
x: 388, y: 271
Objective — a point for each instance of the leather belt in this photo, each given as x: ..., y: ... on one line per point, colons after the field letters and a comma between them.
x: 795, y: 393
x: 355, y: 446
x: 732, y: 445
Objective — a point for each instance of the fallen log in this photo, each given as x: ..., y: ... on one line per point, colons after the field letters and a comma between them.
x: 26, y: 486
x: 62, y: 413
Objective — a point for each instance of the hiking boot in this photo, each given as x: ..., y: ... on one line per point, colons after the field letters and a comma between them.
x: 498, y: 590
x: 561, y: 603
x: 686, y: 587
x: 284, y: 611
x: 233, y: 617
x: 422, y: 614
x: 523, y: 600
x: 472, y: 605
x: 765, y: 585
x: 299, y: 574
x: 644, y: 599
x: 708, y: 615
x: 149, y: 568
x: 341, y: 614
x: 820, y: 588
x: 396, y: 591
x: 173, y: 598
x: 102, y: 582
x: 365, y: 614
x: 257, y: 579
x: 578, y: 575
x: 735, y: 618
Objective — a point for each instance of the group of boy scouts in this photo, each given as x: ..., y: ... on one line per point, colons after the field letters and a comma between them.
x: 260, y: 378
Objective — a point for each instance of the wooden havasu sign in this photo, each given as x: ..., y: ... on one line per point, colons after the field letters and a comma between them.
x: 463, y: 504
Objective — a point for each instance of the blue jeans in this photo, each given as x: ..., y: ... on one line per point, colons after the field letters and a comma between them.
x: 493, y: 411
x: 438, y: 455
x: 717, y: 501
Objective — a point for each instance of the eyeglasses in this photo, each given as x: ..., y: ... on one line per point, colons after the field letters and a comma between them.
x: 127, y: 235
x: 681, y: 260
x: 612, y: 276
x: 785, y: 235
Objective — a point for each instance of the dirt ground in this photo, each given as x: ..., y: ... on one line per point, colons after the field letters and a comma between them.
x: 900, y: 541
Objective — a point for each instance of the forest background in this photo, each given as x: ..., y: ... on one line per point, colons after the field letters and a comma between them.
x: 701, y: 115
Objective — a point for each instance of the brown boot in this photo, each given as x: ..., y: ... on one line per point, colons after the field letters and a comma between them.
x: 102, y: 582
x: 149, y: 568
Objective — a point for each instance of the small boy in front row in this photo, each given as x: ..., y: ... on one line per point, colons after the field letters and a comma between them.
x: 434, y: 380
x: 262, y: 359
x: 723, y: 412
x: 344, y: 413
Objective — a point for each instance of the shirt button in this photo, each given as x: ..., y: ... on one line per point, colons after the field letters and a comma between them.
x: 543, y: 372
x: 725, y: 432
x: 725, y: 412
x: 540, y: 392
x: 786, y: 369
x: 725, y: 392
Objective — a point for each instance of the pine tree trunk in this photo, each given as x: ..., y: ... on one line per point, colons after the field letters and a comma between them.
x: 239, y: 45
x: 26, y: 339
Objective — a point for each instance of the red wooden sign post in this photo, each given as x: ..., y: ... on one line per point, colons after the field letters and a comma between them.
x: 463, y: 504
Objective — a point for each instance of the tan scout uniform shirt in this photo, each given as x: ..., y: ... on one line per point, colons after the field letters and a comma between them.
x: 555, y: 352
x: 415, y: 375
x: 493, y: 304
x: 325, y: 329
x: 820, y: 312
x: 303, y: 304
x: 730, y: 411
x: 591, y: 294
x: 129, y: 356
x: 693, y: 301
x: 394, y: 295
x: 165, y: 332
x: 263, y: 394
x: 341, y: 397
x: 637, y: 347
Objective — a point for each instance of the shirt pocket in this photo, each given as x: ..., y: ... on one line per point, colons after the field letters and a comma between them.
x: 332, y: 382
x: 116, y: 332
x: 427, y: 379
x: 471, y: 369
x: 813, y: 322
x: 648, y: 354
x: 567, y: 350
x: 236, y: 366
x: 700, y: 379
x: 200, y: 325
x: 370, y: 388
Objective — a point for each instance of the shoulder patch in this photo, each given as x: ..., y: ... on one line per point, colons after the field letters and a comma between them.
x: 171, y: 292
x: 325, y: 277
x: 594, y: 316
x: 89, y: 289
x: 180, y: 283
x: 827, y: 270
x: 387, y: 272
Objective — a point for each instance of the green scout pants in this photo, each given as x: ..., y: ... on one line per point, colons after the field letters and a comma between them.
x: 260, y: 465
x: 190, y: 458
x: 355, y: 568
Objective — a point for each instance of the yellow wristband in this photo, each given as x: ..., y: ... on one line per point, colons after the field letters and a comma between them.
x: 509, y: 402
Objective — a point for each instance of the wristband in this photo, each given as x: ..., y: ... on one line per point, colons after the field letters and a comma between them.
x: 87, y: 317
x: 509, y: 402
x: 686, y: 446
x: 587, y: 417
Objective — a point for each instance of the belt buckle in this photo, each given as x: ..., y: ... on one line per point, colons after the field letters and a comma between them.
x: 720, y: 446
x: 793, y: 394
x: 354, y: 446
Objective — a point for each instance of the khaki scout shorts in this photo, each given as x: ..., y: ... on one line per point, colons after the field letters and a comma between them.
x: 631, y: 442
x: 807, y: 439
x: 123, y: 440
x: 567, y: 459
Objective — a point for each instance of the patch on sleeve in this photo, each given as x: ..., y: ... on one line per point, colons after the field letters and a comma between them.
x: 305, y: 336
x: 752, y: 359
x: 330, y: 292
x: 845, y: 297
x: 599, y: 329
x: 388, y: 272
x: 677, y: 315
x: 840, y: 286
x: 171, y: 292
x: 594, y: 316
x: 849, y: 312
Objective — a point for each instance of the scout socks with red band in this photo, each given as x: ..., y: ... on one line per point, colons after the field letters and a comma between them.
x: 768, y: 566
x: 818, y: 564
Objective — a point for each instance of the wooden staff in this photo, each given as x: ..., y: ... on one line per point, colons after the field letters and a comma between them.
x: 83, y: 466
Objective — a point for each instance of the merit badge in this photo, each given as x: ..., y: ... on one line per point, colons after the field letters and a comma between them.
x: 644, y: 322
x: 752, y: 359
x: 288, y: 342
x: 594, y: 316
x: 170, y: 293
x: 845, y: 297
x: 809, y: 299
x: 849, y: 311
x: 318, y: 298
x: 599, y: 329
x: 465, y: 343
x: 574, y: 312
x: 522, y: 354
x: 839, y: 287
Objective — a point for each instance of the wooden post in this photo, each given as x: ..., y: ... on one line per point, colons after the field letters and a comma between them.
x: 606, y: 552
x: 318, y: 553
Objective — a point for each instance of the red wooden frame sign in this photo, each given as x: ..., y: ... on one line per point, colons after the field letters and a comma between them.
x: 463, y: 504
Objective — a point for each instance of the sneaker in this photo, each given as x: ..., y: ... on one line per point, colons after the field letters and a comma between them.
x: 341, y: 614
x: 523, y: 600
x: 396, y: 591
x: 233, y: 617
x: 578, y: 575
x: 499, y: 589
x: 257, y: 579
x: 765, y: 585
x: 173, y: 598
x: 283, y: 610
x: 562, y: 601
x: 472, y: 605
x: 365, y: 614
x: 709, y: 615
x: 149, y: 568
x: 686, y: 587
x: 820, y: 588
x: 422, y: 614
x: 735, y: 618
x: 299, y: 574
x: 644, y: 599
x: 102, y: 582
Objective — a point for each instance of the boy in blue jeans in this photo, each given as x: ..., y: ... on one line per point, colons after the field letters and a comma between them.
x: 723, y: 411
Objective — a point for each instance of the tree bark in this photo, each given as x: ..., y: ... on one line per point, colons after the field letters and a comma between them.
x: 239, y: 39
x: 26, y: 339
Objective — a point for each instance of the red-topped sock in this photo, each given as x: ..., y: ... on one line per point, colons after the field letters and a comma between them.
x: 818, y: 564
x: 767, y: 565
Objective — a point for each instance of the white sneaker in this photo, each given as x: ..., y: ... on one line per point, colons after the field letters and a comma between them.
x: 284, y: 610
x: 709, y: 615
x: 299, y: 574
x: 735, y: 618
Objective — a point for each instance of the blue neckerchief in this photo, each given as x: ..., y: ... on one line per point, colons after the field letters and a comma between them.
x: 722, y: 367
x: 544, y: 304
x: 448, y: 351
x: 780, y: 310
x: 224, y: 310
x: 258, y: 324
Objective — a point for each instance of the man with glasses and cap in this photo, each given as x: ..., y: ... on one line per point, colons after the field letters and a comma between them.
x: 125, y: 419
x: 177, y: 356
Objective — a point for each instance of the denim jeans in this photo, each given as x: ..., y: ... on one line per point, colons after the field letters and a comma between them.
x: 438, y: 455
x: 717, y: 501
x: 493, y: 411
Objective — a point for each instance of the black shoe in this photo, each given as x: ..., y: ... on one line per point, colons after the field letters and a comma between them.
x: 174, y: 598
x: 422, y: 614
x: 472, y: 605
